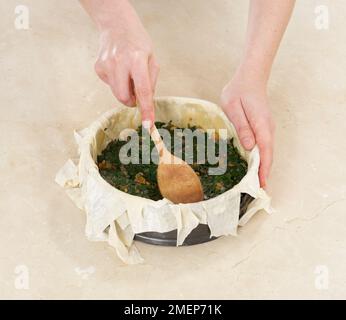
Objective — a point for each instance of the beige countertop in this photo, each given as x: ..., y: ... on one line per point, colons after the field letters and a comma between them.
x: 48, y: 88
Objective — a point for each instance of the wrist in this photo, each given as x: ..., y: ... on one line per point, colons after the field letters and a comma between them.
x: 250, y: 76
x: 113, y: 15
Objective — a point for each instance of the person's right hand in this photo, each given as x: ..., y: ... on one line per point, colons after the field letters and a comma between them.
x: 127, y: 64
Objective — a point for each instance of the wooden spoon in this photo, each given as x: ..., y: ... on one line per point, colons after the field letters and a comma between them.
x: 177, y: 181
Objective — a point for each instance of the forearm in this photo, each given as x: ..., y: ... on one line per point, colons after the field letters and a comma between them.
x: 267, y: 22
x: 111, y: 14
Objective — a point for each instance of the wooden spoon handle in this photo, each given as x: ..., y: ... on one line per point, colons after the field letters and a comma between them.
x: 156, y: 137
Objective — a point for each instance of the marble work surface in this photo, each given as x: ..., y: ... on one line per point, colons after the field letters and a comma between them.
x: 48, y: 88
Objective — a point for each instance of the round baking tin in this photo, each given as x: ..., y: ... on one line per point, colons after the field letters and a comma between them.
x: 198, y: 235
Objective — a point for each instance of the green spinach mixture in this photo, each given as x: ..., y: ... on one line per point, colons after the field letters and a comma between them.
x: 140, y: 179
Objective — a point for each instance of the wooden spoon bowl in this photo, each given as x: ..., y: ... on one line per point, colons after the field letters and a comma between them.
x: 177, y: 181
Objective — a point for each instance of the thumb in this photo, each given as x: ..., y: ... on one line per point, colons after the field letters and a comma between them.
x: 237, y: 116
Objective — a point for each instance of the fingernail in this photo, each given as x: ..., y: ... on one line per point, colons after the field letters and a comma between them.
x: 247, y: 143
x: 146, y: 124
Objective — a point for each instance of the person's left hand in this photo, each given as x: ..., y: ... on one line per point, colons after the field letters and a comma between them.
x: 244, y: 100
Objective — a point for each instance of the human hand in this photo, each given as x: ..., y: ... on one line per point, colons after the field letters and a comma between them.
x: 244, y: 100
x: 127, y: 64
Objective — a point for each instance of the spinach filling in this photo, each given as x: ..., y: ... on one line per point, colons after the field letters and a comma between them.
x: 140, y: 179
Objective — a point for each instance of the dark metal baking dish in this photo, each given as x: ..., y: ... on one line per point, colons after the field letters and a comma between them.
x: 198, y: 235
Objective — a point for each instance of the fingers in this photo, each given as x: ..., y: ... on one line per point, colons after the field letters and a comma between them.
x: 101, y: 72
x: 266, y: 154
x: 143, y: 87
x: 130, y: 76
x: 237, y: 116
x: 122, y: 87
x: 264, y: 134
x: 117, y: 76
